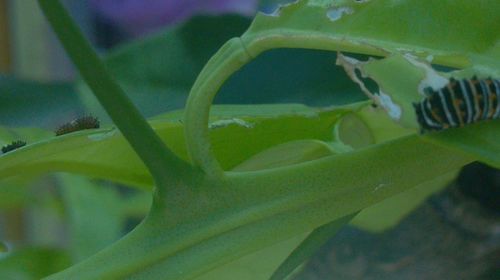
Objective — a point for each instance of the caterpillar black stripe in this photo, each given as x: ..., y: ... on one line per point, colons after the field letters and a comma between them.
x: 12, y: 146
x: 82, y: 123
x: 459, y: 103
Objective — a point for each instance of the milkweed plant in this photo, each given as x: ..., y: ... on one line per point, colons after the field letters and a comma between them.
x: 251, y: 191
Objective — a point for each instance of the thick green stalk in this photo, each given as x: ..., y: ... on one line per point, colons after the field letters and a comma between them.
x: 163, y: 164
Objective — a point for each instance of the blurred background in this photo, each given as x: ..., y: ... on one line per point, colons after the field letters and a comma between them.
x: 155, y: 49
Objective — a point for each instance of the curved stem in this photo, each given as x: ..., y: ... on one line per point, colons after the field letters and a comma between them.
x: 155, y: 155
x: 231, y: 57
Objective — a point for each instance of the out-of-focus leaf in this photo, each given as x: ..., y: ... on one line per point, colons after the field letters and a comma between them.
x: 388, y: 213
x: 32, y: 263
x: 307, y: 248
x: 258, y: 265
x: 16, y: 189
x: 27, y: 103
x: 94, y: 213
x: 15, y: 193
x: 3, y: 247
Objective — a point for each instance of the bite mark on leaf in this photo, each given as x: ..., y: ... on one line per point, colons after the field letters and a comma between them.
x: 335, y: 14
x: 228, y: 122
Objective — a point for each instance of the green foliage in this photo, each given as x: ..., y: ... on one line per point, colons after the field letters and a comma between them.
x: 309, y: 246
x: 105, y: 154
x: 239, y: 187
x: 32, y: 263
x: 26, y: 103
x: 93, y: 223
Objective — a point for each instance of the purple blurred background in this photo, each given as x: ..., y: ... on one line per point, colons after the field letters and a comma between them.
x: 138, y: 17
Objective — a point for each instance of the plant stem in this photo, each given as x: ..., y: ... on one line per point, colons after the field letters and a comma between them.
x: 163, y: 164
x: 230, y: 57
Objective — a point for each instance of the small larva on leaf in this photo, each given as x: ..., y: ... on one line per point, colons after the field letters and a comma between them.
x: 12, y: 146
x: 87, y: 122
x: 459, y: 103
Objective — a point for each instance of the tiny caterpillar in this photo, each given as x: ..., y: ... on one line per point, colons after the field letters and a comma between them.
x: 12, y: 146
x: 82, y: 123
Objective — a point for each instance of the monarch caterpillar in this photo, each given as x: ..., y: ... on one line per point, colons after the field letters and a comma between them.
x: 12, y: 146
x: 87, y: 122
x: 459, y: 103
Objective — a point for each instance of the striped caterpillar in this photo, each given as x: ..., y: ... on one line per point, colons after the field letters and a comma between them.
x: 459, y: 103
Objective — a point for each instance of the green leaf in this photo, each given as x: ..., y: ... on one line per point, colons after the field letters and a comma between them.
x: 258, y: 265
x: 16, y: 193
x: 203, y: 224
x: 94, y: 213
x: 313, y: 242
x: 252, y: 210
x: 3, y: 247
x: 479, y: 140
x: 104, y: 153
x: 32, y: 263
x: 395, y: 78
x: 389, y: 212
x: 449, y: 30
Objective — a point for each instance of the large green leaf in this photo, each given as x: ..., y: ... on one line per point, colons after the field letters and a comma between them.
x: 217, y: 224
x: 450, y: 30
x: 104, y: 153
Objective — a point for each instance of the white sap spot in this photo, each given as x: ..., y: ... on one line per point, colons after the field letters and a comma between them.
x: 233, y: 121
x: 392, y: 109
x: 430, y: 58
x: 432, y: 79
x: 102, y: 135
x: 335, y: 14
